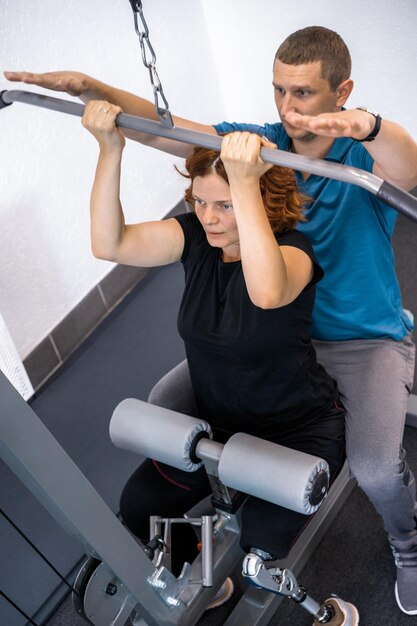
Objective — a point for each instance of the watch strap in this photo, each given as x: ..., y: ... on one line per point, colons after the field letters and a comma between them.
x: 376, y: 128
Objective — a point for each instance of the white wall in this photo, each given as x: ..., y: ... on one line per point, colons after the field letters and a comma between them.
x: 214, y: 58
x: 47, y: 159
x: 380, y: 34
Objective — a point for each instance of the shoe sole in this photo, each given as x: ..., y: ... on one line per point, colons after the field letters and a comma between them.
x: 340, y: 618
x: 355, y: 614
x: 400, y: 605
x: 225, y: 597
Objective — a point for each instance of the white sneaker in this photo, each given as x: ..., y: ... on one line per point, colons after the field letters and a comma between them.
x: 405, y: 554
x: 345, y: 613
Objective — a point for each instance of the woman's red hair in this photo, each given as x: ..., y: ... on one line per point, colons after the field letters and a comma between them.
x: 282, y: 200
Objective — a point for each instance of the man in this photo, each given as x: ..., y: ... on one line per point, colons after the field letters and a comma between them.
x: 362, y: 333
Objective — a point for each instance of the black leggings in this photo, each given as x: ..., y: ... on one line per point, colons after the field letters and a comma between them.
x: 158, y: 489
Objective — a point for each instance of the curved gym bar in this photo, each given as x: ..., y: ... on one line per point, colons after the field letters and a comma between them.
x: 399, y: 199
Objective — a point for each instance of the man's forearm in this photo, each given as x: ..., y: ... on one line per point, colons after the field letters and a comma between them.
x: 88, y: 88
x: 133, y: 105
x: 129, y: 102
x: 395, y: 155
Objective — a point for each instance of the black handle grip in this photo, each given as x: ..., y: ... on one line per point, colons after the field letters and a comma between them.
x: 2, y: 103
x: 399, y: 199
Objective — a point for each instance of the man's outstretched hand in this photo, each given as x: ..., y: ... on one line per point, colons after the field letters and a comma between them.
x: 73, y: 83
x: 351, y: 123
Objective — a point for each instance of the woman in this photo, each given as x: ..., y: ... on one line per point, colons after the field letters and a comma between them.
x: 244, y: 318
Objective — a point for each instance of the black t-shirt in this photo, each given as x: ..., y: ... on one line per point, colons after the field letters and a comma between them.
x: 252, y: 370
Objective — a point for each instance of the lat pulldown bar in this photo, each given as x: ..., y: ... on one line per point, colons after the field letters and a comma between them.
x: 397, y: 198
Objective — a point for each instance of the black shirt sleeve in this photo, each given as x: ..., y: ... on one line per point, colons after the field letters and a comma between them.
x: 193, y: 232
x: 194, y: 236
x: 299, y: 240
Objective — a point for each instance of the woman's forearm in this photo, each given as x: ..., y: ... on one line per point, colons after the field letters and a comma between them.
x: 262, y: 261
x: 106, y: 213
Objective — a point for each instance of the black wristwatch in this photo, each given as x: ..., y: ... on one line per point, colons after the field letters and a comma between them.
x: 376, y: 128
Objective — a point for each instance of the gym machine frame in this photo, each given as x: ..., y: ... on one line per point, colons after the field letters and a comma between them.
x: 118, y: 579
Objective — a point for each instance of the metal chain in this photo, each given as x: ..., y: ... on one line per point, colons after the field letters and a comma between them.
x: 149, y: 61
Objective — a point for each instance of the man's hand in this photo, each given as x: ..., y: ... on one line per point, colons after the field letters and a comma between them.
x: 352, y: 123
x: 73, y: 83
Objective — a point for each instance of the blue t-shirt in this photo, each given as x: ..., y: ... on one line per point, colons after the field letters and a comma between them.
x: 350, y: 231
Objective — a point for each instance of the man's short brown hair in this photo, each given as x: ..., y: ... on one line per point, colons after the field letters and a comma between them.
x: 316, y: 43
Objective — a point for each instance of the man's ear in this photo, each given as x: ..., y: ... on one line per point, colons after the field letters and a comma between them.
x: 343, y: 92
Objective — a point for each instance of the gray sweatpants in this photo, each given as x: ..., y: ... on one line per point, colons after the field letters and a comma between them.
x: 374, y: 378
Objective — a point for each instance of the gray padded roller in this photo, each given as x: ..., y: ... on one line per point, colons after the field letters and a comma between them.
x: 273, y: 473
x: 157, y: 433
